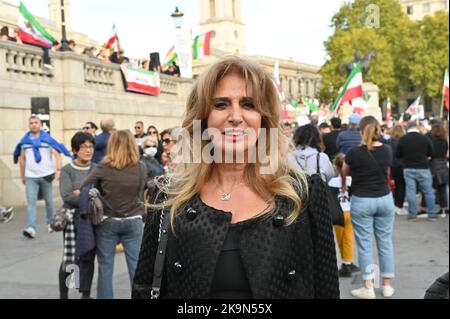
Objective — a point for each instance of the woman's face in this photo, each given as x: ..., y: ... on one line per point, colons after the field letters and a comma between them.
x: 234, y: 115
x: 167, y: 142
x: 85, y: 152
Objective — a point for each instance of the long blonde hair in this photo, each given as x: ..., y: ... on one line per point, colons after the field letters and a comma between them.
x: 122, y: 151
x: 370, y: 130
x: 188, y: 178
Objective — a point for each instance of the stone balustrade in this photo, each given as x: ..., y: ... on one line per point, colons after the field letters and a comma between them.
x: 79, y: 89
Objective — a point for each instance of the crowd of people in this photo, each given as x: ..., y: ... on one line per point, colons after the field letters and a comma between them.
x: 231, y: 231
x: 104, y: 54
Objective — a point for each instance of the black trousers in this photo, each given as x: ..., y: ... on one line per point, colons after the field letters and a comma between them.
x: 400, y: 186
x: 86, y: 266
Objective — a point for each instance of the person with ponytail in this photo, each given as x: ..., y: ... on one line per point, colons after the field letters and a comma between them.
x: 372, y: 207
x: 344, y: 234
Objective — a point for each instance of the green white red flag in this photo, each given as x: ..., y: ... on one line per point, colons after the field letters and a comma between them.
x: 414, y: 107
x: 114, y: 41
x: 202, y: 45
x: 31, y: 31
x: 352, y: 89
x: 141, y: 81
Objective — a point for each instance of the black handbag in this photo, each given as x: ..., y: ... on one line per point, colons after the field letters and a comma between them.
x: 336, y: 212
x: 61, y: 218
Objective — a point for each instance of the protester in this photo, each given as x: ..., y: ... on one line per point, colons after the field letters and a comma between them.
x: 121, y: 177
x: 140, y: 133
x: 397, y: 170
x: 439, y: 166
x: 350, y: 138
x: 101, y: 141
x: 415, y: 150
x: 344, y: 234
x: 72, y: 178
x: 308, y: 154
x: 372, y: 207
x: 150, y: 149
x: 153, y: 131
x: 329, y: 140
x: 35, y: 153
x: 90, y: 128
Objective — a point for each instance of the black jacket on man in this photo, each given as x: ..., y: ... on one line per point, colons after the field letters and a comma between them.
x: 281, y: 262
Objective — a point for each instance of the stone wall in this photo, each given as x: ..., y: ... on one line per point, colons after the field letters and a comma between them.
x: 80, y: 89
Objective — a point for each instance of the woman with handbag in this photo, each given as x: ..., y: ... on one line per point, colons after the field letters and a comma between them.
x: 121, y: 178
x: 249, y: 227
x: 372, y: 207
x: 72, y: 177
x: 439, y: 167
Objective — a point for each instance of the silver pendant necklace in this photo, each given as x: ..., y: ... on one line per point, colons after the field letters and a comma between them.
x: 226, y: 196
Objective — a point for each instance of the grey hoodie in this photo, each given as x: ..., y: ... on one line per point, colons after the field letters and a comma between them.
x: 306, y: 158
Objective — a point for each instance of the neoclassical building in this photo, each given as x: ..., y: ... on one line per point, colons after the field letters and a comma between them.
x: 224, y: 19
x: 417, y: 9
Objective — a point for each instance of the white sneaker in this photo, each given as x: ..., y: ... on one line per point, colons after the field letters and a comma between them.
x: 401, y: 211
x: 364, y: 293
x: 387, y: 291
x: 29, y: 232
x: 442, y: 214
x: 49, y: 229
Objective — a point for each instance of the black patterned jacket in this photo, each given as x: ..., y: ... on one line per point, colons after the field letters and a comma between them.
x: 281, y: 262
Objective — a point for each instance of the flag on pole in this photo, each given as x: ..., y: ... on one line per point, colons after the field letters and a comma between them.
x: 414, y: 107
x: 202, y: 45
x: 352, y: 89
x: 114, y: 41
x: 388, y: 112
x: 446, y: 90
x: 170, y: 57
x: 31, y: 31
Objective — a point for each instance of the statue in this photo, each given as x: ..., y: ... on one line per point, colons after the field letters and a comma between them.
x: 365, y: 62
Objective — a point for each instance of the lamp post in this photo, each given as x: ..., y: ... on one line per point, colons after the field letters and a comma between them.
x: 177, y: 18
x: 183, y: 44
x: 64, y: 42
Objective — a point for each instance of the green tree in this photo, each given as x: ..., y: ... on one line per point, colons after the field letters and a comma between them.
x: 390, y: 39
x: 429, y: 54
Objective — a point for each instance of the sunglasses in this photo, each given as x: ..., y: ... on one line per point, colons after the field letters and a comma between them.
x: 167, y: 141
x: 87, y: 128
x: 138, y: 128
x: 152, y: 132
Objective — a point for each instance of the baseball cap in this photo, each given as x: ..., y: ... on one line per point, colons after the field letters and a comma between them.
x: 354, y: 118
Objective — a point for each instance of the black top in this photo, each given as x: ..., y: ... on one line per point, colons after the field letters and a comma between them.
x: 329, y: 140
x: 367, y: 180
x: 295, y: 261
x: 230, y: 279
x: 440, y: 147
x: 414, y: 149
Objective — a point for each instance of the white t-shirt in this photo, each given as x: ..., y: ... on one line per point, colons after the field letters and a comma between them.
x: 44, y: 167
x: 343, y: 196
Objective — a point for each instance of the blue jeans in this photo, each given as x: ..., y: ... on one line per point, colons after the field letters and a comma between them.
x: 108, y: 234
x: 32, y: 189
x: 425, y: 181
x: 374, y: 216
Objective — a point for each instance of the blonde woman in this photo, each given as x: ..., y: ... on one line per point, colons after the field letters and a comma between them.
x: 233, y: 230
x: 372, y: 207
x: 121, y: 178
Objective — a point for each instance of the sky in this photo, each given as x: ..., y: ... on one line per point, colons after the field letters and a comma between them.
x: 279, y: 28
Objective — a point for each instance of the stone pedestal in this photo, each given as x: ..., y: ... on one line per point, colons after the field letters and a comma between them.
x: 371, y: 106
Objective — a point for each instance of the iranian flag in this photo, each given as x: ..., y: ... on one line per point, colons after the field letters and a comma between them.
x: 141, y: 81
x: 414, y: 108
x: 170, y: 57
x: 313, y: 107
x: 446, y: 90
x: 202, y: 45
x: 113, y: 41
x: 388, y: 112
x: 31, y: 31
x: 352, y: 90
